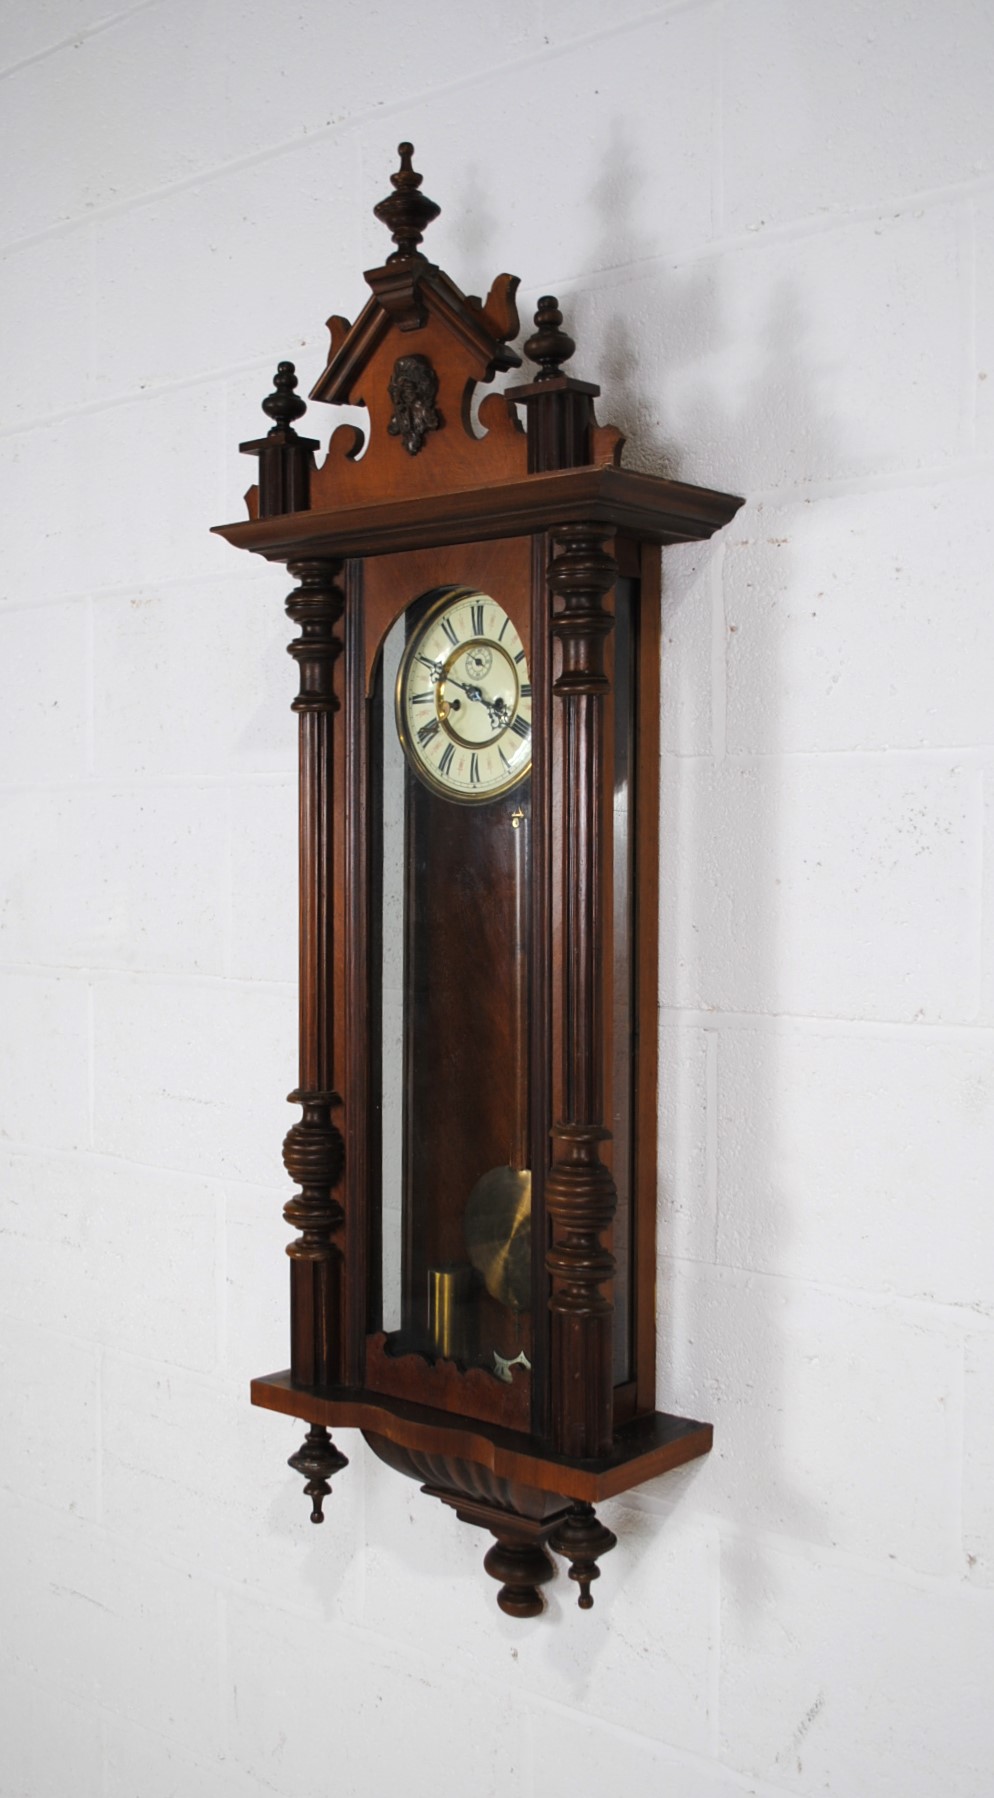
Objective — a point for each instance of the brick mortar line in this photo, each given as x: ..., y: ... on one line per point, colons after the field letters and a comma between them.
x: 76, y: 38
x: 951, y: 1318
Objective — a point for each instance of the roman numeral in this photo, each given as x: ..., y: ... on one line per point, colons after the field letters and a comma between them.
x: 526, y: 690
x: 428, y: 731
x: 450, y: 630
x: 520, y: 728
x: 425, y: 698
x: 446, y: 759
x: 474, y: 770
x: 503, y: 758
x: 503, y: 629
x: 520, y: 656
x: 477, y: 612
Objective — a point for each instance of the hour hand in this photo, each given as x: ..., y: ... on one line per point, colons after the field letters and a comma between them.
x: 437, y: 668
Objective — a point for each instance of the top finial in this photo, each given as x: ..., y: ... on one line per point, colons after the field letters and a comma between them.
x: 550, y: 346
x: 406, y: 212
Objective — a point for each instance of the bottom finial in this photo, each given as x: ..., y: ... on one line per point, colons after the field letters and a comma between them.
x: 317, y: 1458
x: 582, y: 1538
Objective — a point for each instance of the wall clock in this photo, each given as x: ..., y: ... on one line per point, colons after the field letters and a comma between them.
x: 478, y: 613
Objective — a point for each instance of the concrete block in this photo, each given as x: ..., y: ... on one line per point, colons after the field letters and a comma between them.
x: 858, y: 1160
x: 834, y: 1680
x: 152, y: 483
x: 689, y: 575
x: 43, y: 693
x: 133, y: 878
x: 983, y: 371
x: 176, y: 1447
x: 110, y: 1630
x: 580, y: 1754
x: 138, y: 1760
x: 50, y: 1612
x: 833, y: 1416
x: 44, y: 1062
x: 639, y: 177
x: 156, y: 1646
x: 826, y: 110
x: 564, y: 20
x: 745, y: 370
x: 263, y: 910
x: 192, y: 1076
x: 256, y: 1280
x: 811, y: 586
x: 32, y: 32
x: 52, y: 1742
x: 49, y: 1419
x: 228, y: 232
x: 113, y: 1254
x: 978, y: 1460
x: 282, y: 1666
x: 839, y: 888
x: 645, y: 1669
x: 194, y: 678
x: 49, y: 310
x: 263, y: 91
x: 687, y: 1215
x: 987, y: 922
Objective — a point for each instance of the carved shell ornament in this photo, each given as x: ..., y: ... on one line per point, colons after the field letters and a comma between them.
x: 413, y: 388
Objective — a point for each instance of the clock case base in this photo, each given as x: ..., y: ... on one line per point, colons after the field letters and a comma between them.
x: 528, y: 1497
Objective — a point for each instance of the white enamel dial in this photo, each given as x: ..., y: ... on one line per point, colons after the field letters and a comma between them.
x: 464, y: 701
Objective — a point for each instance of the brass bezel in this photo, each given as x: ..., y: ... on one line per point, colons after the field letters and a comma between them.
x: 447, y: 598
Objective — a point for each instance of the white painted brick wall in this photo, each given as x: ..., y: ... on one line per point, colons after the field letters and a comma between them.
x: 773, y: 227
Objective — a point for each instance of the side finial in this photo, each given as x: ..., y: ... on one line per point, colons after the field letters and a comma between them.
x: 283, y: 405
x: 406, y: 212
x: 317, y: 1458
x: 550, y: 346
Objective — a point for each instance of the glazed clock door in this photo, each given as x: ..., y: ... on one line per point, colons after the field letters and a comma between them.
x: 451, y: 745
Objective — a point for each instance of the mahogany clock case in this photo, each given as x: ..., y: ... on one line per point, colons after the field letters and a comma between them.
x: 472, y: 1280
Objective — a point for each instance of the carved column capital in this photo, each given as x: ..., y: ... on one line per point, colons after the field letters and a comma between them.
x: 315, y: 606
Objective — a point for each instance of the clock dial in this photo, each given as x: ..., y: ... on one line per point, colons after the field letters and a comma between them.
x: 464, y: 713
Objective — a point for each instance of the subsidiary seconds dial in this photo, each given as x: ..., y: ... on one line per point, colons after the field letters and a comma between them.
x: 464, y: 701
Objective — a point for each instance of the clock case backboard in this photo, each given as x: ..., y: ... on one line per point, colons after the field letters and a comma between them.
x: 531, y: 502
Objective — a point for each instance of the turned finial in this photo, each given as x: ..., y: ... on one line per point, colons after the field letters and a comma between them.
x: 283, y: 405
x: 550, y: 346
x: 406, y: 212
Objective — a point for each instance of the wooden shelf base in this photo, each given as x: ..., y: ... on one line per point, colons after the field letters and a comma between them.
x: 642, y: 1449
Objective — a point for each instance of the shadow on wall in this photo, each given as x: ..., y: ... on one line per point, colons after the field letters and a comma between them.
x: 727, y: 1345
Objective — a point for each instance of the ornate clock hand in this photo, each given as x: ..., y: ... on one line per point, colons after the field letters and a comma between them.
x: 496, y: 708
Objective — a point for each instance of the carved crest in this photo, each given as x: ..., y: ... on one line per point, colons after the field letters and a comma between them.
x: 413, y: 388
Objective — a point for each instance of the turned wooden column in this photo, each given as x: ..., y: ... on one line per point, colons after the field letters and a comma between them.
x: 313, y: 1151
x: 580, y: 1191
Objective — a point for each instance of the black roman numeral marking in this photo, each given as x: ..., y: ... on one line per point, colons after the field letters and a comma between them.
x: 450, y: 630
x: 427, y: 732
x: 425, y: 698
x: 520, y: 728
x: 526, y: 690
x: 503, y: 758
x: 520, y: 656
x: 474, y: 770
x: 503, y: 629
x: 445, y: 762
x: 477, y: 613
